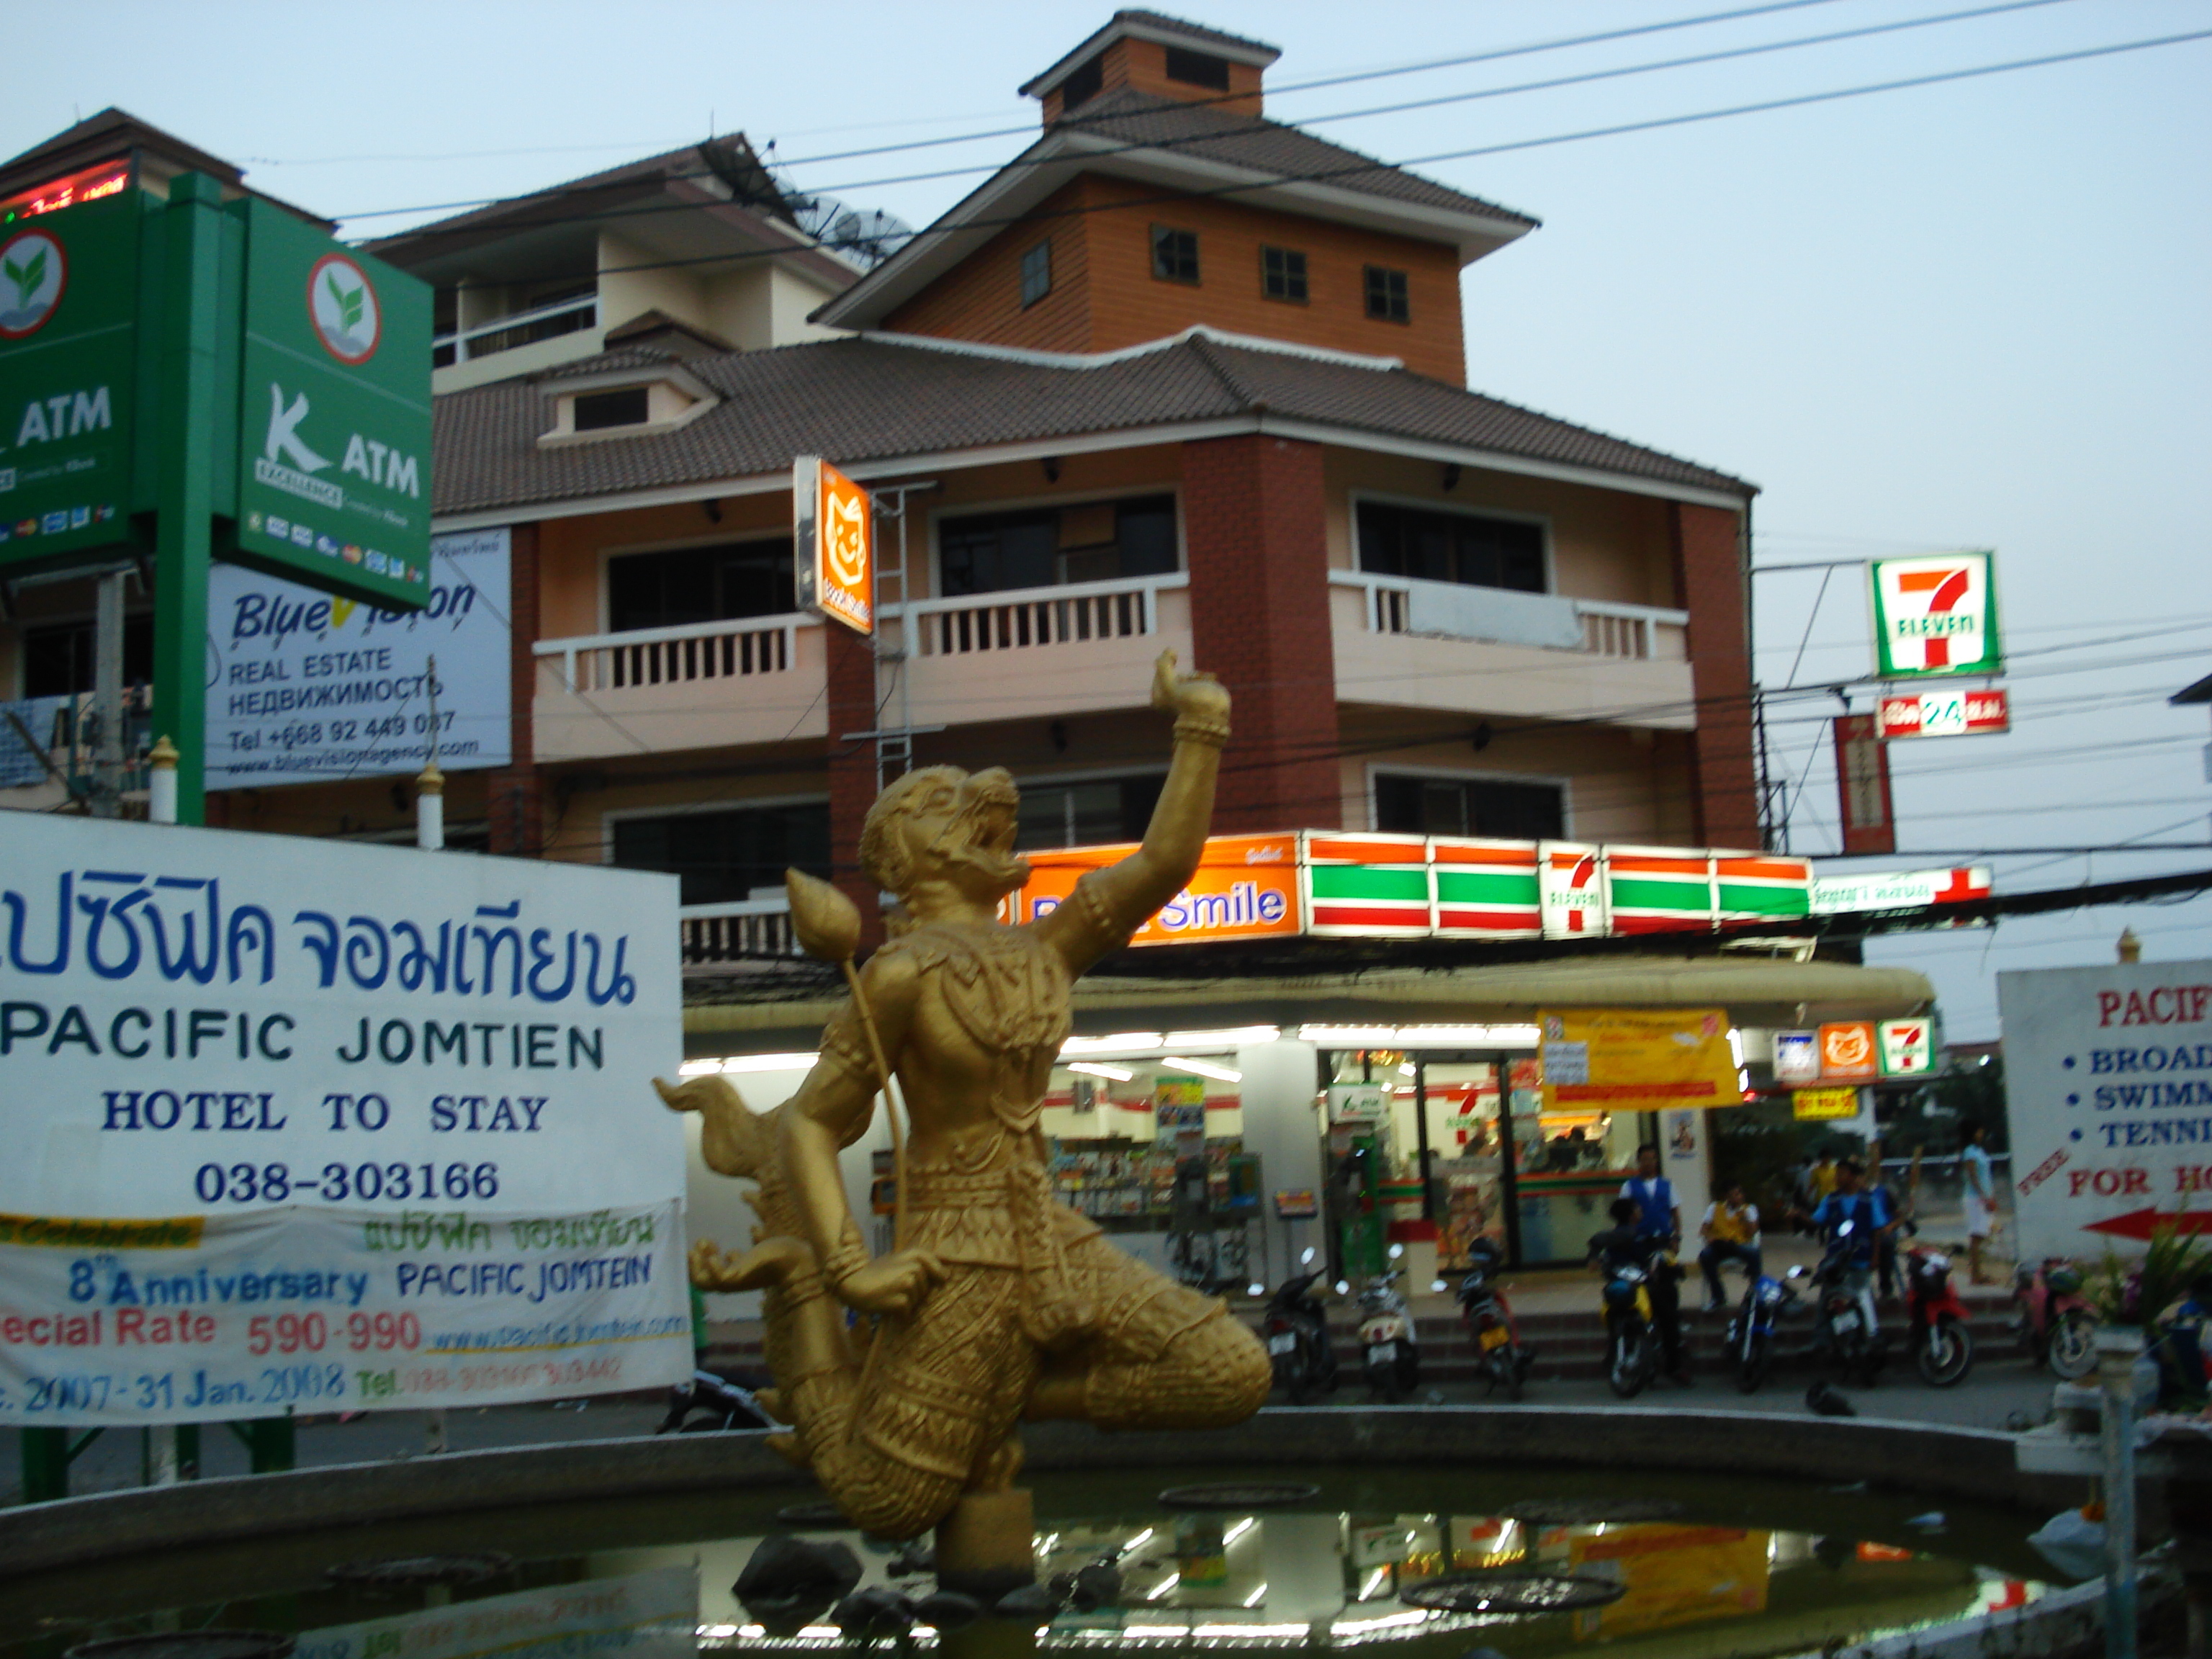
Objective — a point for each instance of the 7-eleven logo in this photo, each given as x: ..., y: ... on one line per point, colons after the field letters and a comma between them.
x: 1935, y: 616
x: 1573, y: 891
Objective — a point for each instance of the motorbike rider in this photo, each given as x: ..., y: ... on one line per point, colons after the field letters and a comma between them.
x: 1868, y: 1216
x: 1658, y: 1226
x: 1730, y: 1230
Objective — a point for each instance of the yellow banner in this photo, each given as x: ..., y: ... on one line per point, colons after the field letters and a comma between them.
x: 1639, y: 1060
x: 69, y: 1233
x: 1811, y: 1104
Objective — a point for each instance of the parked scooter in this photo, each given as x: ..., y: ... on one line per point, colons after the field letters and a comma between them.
x: 1389, y: 1350
x: 2056, y: 1323
x: 1751, y: 1332
x: 1847, y: 1329
x: 721, y: 1403
x: 1631, y: 1344
x: 1295, y: 1330
x: 1489, y: 1316
x: 1942, y: 1347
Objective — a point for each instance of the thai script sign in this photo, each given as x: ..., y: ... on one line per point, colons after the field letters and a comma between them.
x: 309, y: 688
x: 1867, y: 814
x: 1899, y: 890
x: 210, y: 1021
x: 1639, y: 1060
x: 1935, y: 616
x: 1820, y: 1105
x: 833, y: 526
x: 2108, y: 1088
x: 203, y: 1318
x: 1945, y: 713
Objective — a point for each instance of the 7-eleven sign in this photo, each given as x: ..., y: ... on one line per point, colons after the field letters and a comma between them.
x: 1908, y: 1047
x: 1935, y: 616
x: 1572, y: 890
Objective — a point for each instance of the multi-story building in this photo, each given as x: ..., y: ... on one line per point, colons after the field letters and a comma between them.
x: 1176, y: 376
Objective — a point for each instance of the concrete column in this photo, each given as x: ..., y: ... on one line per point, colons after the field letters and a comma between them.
x: 1710, y: 560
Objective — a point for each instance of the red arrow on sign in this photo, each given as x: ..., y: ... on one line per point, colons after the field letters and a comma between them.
x: 2140, y: 1224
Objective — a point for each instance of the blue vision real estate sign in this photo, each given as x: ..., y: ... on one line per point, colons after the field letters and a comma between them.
x: 334, y: 415
x: 69, y: 371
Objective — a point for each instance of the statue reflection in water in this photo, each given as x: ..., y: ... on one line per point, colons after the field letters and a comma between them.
x: 998, y: 1302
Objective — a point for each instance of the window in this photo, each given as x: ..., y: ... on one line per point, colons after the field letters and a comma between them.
x: 1036, y: 274
x: 1044, y: 547
x: 700, y: 585
x: 1469, y: 807
x: 1094, y: 812
x: 1283, y: 274
x: 1198, y: 69
x: 57, y: 659
x: 1082, y: 84
x: 1386, y: 296
x: 597, y: 410
x: 720, y: 857
x: 1175, y: 254
x: 1451, y: 547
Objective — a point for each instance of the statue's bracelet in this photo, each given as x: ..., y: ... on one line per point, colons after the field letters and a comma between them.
x: 846, y: 1261
x: 1193, y: 728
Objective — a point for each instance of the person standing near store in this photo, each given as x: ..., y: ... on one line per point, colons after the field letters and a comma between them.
x: 1659, y: 1227
x: 1981, y: 1199
x: 1730, y: 1230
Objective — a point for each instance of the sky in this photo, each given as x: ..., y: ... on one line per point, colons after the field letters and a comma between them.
x: 1966, y: 314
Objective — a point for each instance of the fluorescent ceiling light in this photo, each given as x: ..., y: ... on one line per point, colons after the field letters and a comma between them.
x: 1405, y: 1068
x: 1234, y: 1037
x: 699, y: 1068
x: 1419, y: 1036
x: 1119, y: 1043
x: 1238, y: 1530
x: 770, y: 1063
x: 1164, y: 1586
x: 1256, y: 1596
x: 1203, y: 1067
x: 1119, y: 1073
x: 1350, y: 1036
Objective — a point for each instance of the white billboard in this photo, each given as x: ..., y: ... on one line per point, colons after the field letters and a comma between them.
x: 305, y: 688
x: 2108, y: 1086
x: 297, y: 1122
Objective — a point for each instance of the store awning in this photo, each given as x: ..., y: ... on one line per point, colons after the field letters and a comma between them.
x: 1756, y: 990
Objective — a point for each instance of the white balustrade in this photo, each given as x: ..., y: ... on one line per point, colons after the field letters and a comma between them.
x: 674, y: 656
x: 1038, y: 616
x: 1636, y: 633
x: 740, y: 930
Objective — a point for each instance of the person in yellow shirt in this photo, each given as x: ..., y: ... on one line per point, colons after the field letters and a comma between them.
x: 1730, y: 1230
x: 1822, y: 1180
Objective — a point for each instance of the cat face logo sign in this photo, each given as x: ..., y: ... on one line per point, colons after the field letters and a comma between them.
x: 1847, y: 1052
x: 834, y: 525
x: 342, y: 305
x: 33, y: 270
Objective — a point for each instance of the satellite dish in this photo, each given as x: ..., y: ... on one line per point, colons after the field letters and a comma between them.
x: 867, y: 235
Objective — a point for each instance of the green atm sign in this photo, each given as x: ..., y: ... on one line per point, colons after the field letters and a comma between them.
x: 334, y: 415
x: 326, y: 385
x: 69, y: 366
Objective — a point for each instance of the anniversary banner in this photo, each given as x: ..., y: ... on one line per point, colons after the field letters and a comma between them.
x: 195, y: 1319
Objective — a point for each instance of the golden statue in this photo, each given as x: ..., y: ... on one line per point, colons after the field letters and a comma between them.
x: 997, y: 1303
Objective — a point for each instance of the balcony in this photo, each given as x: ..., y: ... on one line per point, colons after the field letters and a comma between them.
x: 1445, y: 646
x: 1080, y: 648
x: 752, y: 933
x: 706, y: 685
x: 523, y: 342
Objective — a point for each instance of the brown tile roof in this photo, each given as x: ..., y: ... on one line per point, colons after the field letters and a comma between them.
x: 1199, y: 32
x: 1126, y: 116
x: 879, y: 399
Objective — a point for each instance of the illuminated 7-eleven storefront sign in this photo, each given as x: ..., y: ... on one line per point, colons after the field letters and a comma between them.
x: 1935, y: 616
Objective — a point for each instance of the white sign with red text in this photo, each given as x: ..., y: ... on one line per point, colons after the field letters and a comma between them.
x: 2108, y: 1081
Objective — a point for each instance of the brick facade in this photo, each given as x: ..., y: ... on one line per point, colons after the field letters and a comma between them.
x: 1708, y: 554
x: 1104, y: 295
x: 1254, y: 508
x: 851, y: 699
x: 514, y: 793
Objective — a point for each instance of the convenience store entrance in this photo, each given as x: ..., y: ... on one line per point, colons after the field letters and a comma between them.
x: 1470, y: 1151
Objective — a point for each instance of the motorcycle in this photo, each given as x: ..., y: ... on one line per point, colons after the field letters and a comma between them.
x: 1389, y: 1350
x: 726, y: 1406
x: 1489, y: 1316
x: 2055, y: 1324
x: 1632, y: 1344
x: 1751, y: 1332
x: 1942, y: 1347
x: 1296, y: 1331
x: 1848, y: 1328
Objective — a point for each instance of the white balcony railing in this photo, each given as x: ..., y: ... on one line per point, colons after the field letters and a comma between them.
x: 675, y: 656
x: 569, y: 316
x: 739, y: 930
x: 1603, y: 628
x: 1039, y: 617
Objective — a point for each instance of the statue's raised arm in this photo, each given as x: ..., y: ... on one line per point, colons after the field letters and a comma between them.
x: 1111, y: 904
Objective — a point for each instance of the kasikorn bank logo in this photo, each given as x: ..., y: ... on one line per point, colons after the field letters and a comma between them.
x: 33, y: 271
x: 341, y: 304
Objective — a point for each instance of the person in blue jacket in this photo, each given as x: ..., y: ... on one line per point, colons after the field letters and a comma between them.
x: 1870, y: 1220
x: 1658, y: 1224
